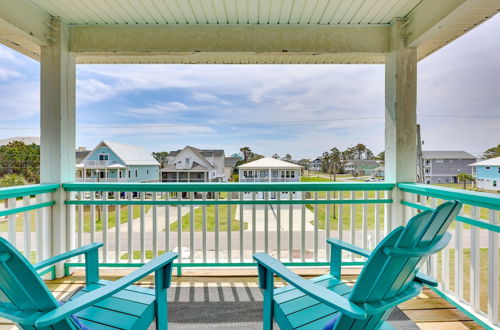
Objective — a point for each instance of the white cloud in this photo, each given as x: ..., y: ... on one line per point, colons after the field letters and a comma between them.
x: 157, y: 109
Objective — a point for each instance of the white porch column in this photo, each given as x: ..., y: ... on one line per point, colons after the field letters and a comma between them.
x: 57, y: 125
x: 400, y: 117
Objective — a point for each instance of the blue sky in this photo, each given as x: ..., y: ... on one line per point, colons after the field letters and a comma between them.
x: 297, y: 109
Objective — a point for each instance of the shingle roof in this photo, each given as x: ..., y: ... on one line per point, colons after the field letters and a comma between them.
x: 268, y: 162
x: 488, y: 162
x: 131, y: 155
x: 204, y: 152
x: 231, y: 161
x: 446, y: 154
x: 362, y: 162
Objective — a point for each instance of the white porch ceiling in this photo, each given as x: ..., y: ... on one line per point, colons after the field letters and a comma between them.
x: 324, y: 12
x: 238, y: 31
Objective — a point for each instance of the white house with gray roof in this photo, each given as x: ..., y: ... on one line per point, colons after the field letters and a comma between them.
x: 444, y: 166
x: 195, y: 165
x: 118, y: 162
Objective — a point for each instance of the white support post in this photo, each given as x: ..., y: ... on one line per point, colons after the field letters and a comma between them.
x: 57, y: 124
x: 400, y: 117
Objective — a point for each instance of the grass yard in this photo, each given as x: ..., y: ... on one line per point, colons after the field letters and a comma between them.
x: 314, y: 179
x: 346, y: 211
x: 111, y: 217
x: 198, y: 219
x: 483, y: 275
x: 136, y: 254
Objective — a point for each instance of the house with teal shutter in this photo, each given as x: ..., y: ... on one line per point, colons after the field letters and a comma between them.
x: 487, y: 173
x: 118, y: 162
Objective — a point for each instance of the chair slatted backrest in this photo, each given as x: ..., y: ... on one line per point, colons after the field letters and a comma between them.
x: 21, y: 289
x: 385, y: 276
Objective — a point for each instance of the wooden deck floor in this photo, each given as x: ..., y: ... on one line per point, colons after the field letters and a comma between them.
x: 428, y: 310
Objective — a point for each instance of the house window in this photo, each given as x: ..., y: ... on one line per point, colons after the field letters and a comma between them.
x: 427, y: 170
x: 245, y: 174
x: 103, y: 157
x: 119, y: 174
x: 439, y: 161
x: 147, y: 171
x: 427, y: 162
x: 494, y: 183
x: 187, y: 161
x: 292, y: 174
x: 499, y: 170
x: 129, y: 173
x: 487, y: 167
x: 136, y: 172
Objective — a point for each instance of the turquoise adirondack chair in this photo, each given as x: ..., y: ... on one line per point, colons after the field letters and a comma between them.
x: 26, y: 300
x: 389, y: 277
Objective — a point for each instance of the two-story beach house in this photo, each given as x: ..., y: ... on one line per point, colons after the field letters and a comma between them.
x: 118, y: 162
x: 444, y: 166
x: 195, y: 165
x: 315, y: 165
x: 487, y: 173
x: 361, y: 166
x: 270, y: 170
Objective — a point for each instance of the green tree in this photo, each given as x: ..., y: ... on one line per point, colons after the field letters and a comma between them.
x: 22, y: 159
x: 161, y: 157
x: 381, y: 157
x: 288, y: 158
x: 492, y: 152
x: 11, y: 180
x: 247, y: 153
x: 276, y: 156
x: 335, y: 162
x: 464, y: 177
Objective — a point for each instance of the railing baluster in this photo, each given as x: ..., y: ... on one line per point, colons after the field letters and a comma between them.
x: 254, y: 233
x: 130, y: 227
x: 242, y: 223
x: 303, y: 228
x: 39, y: 230
x: 278, y: 226
x: 290, y: 226
x: 142, y: 228
x: 327, y: 223
x: 266, y: 222
x: 11, y: 220
x: 316, y: 227
x: 80, y: 224
x: 167, y: 222
x: 204, y: 227
x: 105, y: 228
x: 388, y: 213
x: 117, y: 226
x: 92, y: 218
x: 229, y: 229
x: 365, y: 221
x: 459, y: 260
x: 179, y: 226
x: 341, y: 216
x: 474, y: 263
x: 377, y: 219
x: 493, y: 269
x: 27, y: 229
x: 191, y: 227
x: 216, y: 227
x: 155, y: 225
x: 353, y: 222
x: 434, y: 257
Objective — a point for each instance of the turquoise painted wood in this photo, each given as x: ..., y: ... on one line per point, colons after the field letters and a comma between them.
x: 26, y: 300
x: 390, y: 276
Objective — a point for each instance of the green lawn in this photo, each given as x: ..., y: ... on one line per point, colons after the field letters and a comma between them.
x: 111, y: 217
x: 483, y: 275
x: 198, y: 219
x: 136, y: 254
x: 314, y: 179
x: 4, y: 227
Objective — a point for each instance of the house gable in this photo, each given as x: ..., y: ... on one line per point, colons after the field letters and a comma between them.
x: 102, y: 148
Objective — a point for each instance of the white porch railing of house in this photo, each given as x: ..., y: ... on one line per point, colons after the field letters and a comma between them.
x: 96, y: 163
x: 293, y: 229
x: 101, y: 179
x: 274, y: 179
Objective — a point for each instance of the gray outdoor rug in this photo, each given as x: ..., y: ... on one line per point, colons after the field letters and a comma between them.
x: 227, y: 307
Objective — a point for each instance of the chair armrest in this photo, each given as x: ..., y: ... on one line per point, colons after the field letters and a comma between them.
x: 17, y: 316
x: 349, y: 247
x: 321, y: 294
x: 94, y: 296
x: 381, y: 306
x: 426, y: 279
x: 420, y: 252
x: 70, y: 254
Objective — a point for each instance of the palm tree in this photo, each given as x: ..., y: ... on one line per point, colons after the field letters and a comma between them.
x: 464, y: 177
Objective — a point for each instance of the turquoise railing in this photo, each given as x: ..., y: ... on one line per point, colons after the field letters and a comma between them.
x: 25, y: 219
x: 290, y: 220
x: 468, y: 269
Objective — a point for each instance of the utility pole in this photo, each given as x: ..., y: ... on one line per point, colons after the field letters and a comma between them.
x: 420, y: 160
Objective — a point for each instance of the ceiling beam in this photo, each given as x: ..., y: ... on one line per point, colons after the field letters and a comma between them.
x: 22, y: 21
x: 430, y: 17
x: 181, y: 40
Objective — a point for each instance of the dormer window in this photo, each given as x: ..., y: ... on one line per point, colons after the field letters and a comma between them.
x: 103, y: 157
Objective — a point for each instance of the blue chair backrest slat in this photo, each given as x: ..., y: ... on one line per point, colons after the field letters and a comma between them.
x: 383, y: 276
x: 22, y: 289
